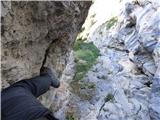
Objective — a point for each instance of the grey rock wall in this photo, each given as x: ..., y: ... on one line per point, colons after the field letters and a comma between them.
x: 36, y: 34
x: 127, y: 73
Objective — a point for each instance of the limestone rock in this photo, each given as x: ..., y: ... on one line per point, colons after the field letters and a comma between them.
x: 36, y: 34
x: 126, y: 75
x: 127, y: 71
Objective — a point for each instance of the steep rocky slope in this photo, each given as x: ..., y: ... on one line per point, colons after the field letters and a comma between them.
x: 36, y: 34
x: 123, y: 84
x: 127, y: 73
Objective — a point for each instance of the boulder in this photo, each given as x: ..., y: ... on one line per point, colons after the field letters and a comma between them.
x: 36, y: 34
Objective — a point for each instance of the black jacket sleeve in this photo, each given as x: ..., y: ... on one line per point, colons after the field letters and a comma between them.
x: 37, y: 85
x: 19, y: 100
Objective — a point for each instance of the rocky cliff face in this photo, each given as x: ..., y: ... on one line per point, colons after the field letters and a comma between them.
x: 127, y: 73
x: 126, y: 77
x: 36, y: 34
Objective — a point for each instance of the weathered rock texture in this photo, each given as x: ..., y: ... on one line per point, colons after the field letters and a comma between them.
x: 36, y: 34
x: 127, y: 73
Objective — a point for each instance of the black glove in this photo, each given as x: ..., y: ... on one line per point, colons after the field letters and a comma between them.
x: 54, y: 81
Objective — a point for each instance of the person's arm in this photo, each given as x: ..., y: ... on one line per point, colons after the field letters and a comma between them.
x: 37, y: 85
x: 49, y: 116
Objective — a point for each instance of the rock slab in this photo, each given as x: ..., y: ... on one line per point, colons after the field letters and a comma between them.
x: 36, y: 34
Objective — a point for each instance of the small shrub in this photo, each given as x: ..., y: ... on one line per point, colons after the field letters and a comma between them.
x: 109, y: 97
x: 110, y: 72
x: 85, y: 57
x: 82, y: 29
x: 85, y: 90
x: 70, y: 116
x: 88, y: 85
x: 92, y: 16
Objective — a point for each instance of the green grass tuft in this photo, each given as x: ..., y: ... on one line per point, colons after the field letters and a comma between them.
x: 111, y: 22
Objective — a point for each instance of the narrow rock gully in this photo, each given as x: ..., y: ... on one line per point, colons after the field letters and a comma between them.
x: 127, y: 66
x: 106, y: 54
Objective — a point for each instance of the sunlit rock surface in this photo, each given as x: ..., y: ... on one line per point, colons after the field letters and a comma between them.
x: 127, y: 73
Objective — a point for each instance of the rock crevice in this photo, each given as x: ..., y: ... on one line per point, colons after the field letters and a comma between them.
x: 127, y: 71
x: 36, y: 34
x: 29, y: 36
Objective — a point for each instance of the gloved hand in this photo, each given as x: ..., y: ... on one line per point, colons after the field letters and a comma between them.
x: 54, y: 81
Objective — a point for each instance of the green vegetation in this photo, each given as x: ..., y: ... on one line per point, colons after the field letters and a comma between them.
x: 87, y: 85
x: 110, y: 72
x: 85, y: 57
x: 70, y: 116
x: 93, y: 15
x: 109, y: 97
x: 111, y: 22
x: 82, y: 29
x: 85, y: 90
